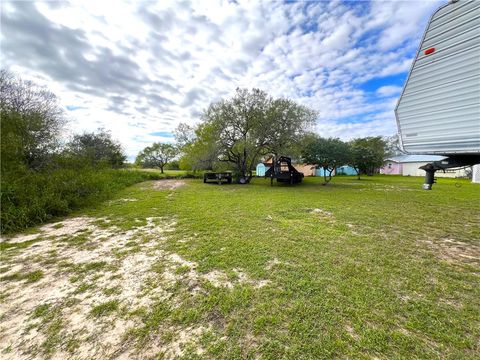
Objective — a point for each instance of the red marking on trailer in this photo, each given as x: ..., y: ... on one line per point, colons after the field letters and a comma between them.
x: 429, y: 51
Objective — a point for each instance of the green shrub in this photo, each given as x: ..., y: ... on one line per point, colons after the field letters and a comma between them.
x: 30, y: 197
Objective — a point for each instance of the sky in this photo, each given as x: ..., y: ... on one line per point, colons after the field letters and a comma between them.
x: 140, y: 68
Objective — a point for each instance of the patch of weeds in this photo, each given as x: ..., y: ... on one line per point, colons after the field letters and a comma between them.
x: 93, y: 266
x: 186, y: 315
x: 72, y: 344
x: 30, y: 277
x: 4, y: 269
x: 54, y: 337
x: 66, y: 265
x: 83, y: 288
x: 77, y: 240
x: 150, y: 283
x: 49, y: 261
x: 115, y: 277
x: 20, y: 245
x: 168, y: 336
x: 82, y: 270
x: 75, y: 278
x: 158, y: 267
x: 138, y: 312
x: 51, y: 325
x: 105, y: 308
x: 41, y: 311
x: 57, y: 226
x: 182, y: 270
x: 152, y: 320
x: 121, y: 254
x: 102, y: 223
x: 115, y: 290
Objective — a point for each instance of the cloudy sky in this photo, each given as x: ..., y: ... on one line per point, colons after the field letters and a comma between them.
x: 139, y: 68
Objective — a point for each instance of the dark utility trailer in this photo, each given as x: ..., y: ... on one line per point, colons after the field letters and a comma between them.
x: 217, y: 177
x: 283, y: 171
x: 438, y: 112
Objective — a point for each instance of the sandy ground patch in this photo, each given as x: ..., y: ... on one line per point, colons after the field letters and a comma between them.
x: 90, y: 275
x: 321, y: 212
x: 452, y: 250
x: 70, y: 283
x: 216, y: 278
x: 168, y: 184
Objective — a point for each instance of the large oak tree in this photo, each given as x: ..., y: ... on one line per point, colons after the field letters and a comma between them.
x: 240, y: 130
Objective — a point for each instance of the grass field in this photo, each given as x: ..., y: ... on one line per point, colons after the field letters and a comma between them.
x: 370, y: 269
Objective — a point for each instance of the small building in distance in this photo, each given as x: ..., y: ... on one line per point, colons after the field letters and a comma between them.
x: 306, y: 169
x: 260, y: 170
x: 264, y: 166
x: 346, y: 170
x: 408, y: 165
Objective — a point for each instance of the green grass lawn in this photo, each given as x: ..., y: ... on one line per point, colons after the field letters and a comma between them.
x: 371, y: 268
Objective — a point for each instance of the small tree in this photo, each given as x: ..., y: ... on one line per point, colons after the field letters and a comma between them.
x: 97, y: 148
x: 367, y: 154
x: 326, y: 153
x: 156, y: 156
x: 198, y: 147
x: 31, y: 123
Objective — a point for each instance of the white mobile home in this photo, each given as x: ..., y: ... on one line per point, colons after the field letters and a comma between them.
x: 438, y: 112
x: 439, y: 109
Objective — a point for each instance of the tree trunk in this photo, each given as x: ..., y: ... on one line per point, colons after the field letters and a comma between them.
x: 242, y: 177
x: 325, y: 175
x: 161, y: 169
x: 250, y: 175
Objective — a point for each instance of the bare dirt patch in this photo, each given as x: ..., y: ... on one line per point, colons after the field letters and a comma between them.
x: 75, y: 277
x: 93, y: 275
x: 168, y: 184
x: 455, y: 251
x: 66, y: 227
x: 351, y: 331
x: 217, y: 278
x: 321, y: 212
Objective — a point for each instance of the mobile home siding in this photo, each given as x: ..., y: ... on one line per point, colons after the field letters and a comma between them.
x: 439, y: 109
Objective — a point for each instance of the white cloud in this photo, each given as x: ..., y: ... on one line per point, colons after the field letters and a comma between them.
x: 138, y: 68
x: 389, y: 90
